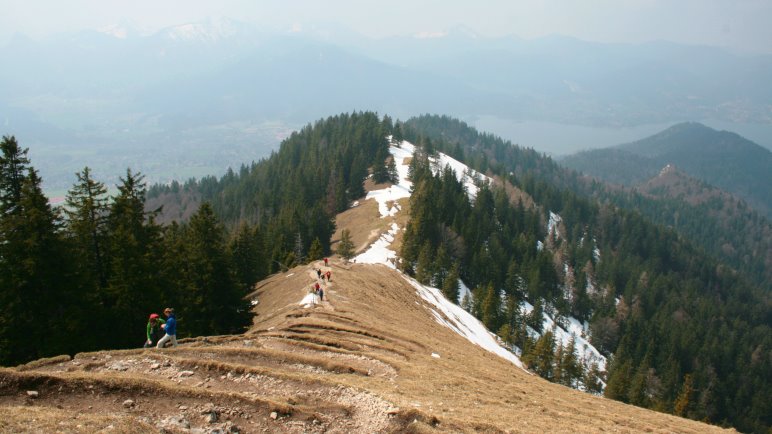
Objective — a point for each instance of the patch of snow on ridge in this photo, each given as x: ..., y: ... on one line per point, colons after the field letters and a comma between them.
x: 461, y: 170
x: 379, y: 252
x: 390, y: 195
x: 462, y: 322
x: 309, y: 300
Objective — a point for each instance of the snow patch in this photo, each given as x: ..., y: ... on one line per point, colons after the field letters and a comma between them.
x: 379, y: 252
x: 552, y: 225
x: 309, y: 300
x: 462, y: 322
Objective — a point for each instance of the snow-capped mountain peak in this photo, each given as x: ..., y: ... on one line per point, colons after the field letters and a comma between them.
x: 210, y: 30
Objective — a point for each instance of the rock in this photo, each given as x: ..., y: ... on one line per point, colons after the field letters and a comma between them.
x: 183, y: 407
x: 274, y: 415
x: 128, y: 403
x: 186, y: 373
x: 32, y: 393
x: 155, y: 366
x: 392, y: 411
x: 211, y: 417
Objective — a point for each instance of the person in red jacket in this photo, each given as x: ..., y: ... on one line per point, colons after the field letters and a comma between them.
x: 329, y: 274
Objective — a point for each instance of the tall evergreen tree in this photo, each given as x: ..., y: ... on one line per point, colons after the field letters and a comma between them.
x: 215, y: 304
x: 346, y: 246
x: 86, y: 210
x: 134, y: 286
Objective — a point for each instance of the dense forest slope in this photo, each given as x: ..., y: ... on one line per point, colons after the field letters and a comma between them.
x: 721, y: 158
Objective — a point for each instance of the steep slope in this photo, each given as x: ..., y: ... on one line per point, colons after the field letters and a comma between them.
x: 721, y: 158
x: 371, y: 358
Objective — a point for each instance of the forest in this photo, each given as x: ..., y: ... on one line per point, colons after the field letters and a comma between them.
x: 685, y: 333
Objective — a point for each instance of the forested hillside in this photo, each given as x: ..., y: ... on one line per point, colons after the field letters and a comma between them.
x: 684, y: 334
x: 86, y: 276
x: 721, y: 158
x: 659, y: 307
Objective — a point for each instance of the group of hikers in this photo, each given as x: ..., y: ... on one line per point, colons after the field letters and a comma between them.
x: 316, y: 288
x: 160, y: 331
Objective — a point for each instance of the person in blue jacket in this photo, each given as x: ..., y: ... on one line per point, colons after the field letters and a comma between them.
x: 170, y: 327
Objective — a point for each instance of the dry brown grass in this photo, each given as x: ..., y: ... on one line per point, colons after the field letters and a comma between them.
x: 44, y: 362
x: 37, y: 420
x: 467, y: 388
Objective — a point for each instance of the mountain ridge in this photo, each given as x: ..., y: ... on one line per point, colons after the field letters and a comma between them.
x: 721, y: 158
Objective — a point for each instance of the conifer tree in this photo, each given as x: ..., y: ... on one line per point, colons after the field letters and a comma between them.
x: 425, y: 267
x: 87, y: 213
x: 450, y: 285
x: 346, y: 246
x: 571, y: 368
x: 37, y: 291
x: 248, y: 255
x: 315, y: 252
x: 391, y: 169
x: 13, y: 170
x: 380, y: 169
x: 490, y: 308
x: 134, y: 285
x: 215, y: 304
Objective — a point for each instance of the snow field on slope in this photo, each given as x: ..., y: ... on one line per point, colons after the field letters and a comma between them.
x: 587, y: 353
x: 462, y: 322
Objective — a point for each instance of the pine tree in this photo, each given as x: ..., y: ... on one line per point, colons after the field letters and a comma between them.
x: 684, y: 399
x: 346, y: 246
x: 87, y: 213
x: 215, y: 304
x: 380, y: 169
x: 13, y: 167
x: 450, y: 285
x: 425, y: 267
x: 541, y: 357
x: 134, y: 285
x: 315, y: 252
x: 391, y: 169
x: 41, y: 313
x: 248, y: 255
x: 491, y: 307
x: 571, y: 368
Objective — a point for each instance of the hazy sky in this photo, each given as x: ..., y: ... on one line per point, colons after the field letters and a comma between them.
x: 738, y: 24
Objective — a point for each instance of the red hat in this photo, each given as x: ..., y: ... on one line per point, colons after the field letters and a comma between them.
x: 153, y: 315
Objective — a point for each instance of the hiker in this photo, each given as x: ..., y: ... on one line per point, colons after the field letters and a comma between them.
x: 325, y: 262
x: 321, y: 294
x: 170, y: 327
x: 154, y: 330
x: 318, y: 273
x: 329, y: 274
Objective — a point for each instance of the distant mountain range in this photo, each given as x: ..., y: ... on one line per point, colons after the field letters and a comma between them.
x: 720, y: 158
x: 162, y: 102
